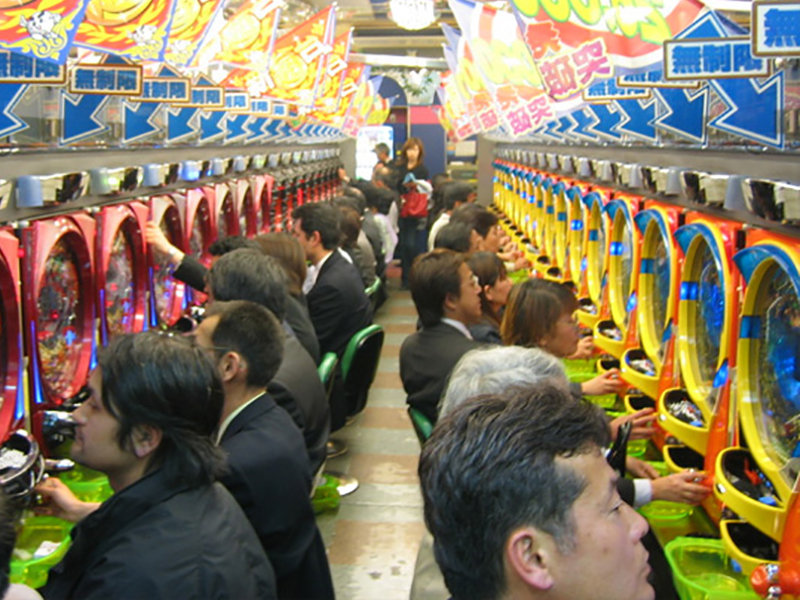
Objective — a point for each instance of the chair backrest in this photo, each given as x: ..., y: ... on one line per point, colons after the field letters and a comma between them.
x: 422, y: 425
x: 373, y: 293
x: 359, y: 365
x: 326, y: 370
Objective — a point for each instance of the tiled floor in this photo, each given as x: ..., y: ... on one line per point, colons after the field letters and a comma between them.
x: 373, y: 539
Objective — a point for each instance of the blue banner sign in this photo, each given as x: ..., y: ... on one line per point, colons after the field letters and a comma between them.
x: 109, y: 80
x: 776, y: 28
x: 712, y: 59
x: 9, y: 96
x: 261, y: 106
x: 165, y: 89
x: 237, y: 102
x: 19, y: 68
x: 607, y: 90
x: 207, y: 97
x: 652, y: 79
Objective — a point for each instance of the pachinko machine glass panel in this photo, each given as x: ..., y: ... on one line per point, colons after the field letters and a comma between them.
x: 200, y: 232
x: 226, y: 219
x: 623, y: 252
x: 756, y: 481
x: 266, y: 208
x: 657, y: 292
x: 706, y: 309
x: 577, y: 219
x: 247, y: 208
x: 166, y: 293
x: 592, y: 306
x: 560, y: 232
x: 58, y: 283
x: 12, y: 393
x: 121, y: 269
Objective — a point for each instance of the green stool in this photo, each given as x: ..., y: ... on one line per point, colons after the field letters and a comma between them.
x: 422, y: 425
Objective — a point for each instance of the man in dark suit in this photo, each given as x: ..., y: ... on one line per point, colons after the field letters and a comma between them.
x: 253, y: 276
x: 267, y: 472
x: 445, y: 292
x: 335, y: 293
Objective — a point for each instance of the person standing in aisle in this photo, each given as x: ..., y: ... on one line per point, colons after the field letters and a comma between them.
x: 415, y: 189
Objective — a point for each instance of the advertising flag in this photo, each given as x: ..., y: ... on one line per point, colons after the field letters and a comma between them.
x: 190, y: 24
x: 42, y: 29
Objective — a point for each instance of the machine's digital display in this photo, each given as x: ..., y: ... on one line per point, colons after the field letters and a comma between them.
x: 778, y: 368
x: 710, y: 320
x: 626, y: 264
x: 120, y: 295
x: 660, y: 289
x: 59, y: 332
x: 163, y: 282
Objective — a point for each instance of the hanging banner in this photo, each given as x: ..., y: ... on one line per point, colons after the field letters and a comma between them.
x: 631, y: 32
x: 190, y: 26
x: 331, y: 86
x: 137, y: 30
x: 245, y: 40
x: 298, y: 59
x: 43, y: 29
x: 350, y: 83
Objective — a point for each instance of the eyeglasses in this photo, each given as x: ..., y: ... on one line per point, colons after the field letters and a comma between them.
x: 474, y: 281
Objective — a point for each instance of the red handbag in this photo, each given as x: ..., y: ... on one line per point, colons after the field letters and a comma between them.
x: 415, y: 204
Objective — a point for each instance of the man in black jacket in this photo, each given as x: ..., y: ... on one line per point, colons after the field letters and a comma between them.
x: 267, y: 472
x: 168, y: 531
x: 445, y: 292
x: 253, y: 276
x: 336, y: 300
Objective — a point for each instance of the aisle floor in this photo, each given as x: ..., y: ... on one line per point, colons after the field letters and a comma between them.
x: 373, y: 538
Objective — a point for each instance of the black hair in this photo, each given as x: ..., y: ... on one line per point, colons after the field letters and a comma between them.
x: 169, y: 383
x: 490, y: 467
x: 320, y: 217
x: 433, y: 277
x: 533, y: 309
x: 231, y: 243
x: 250, y: 275
x: 489, y: 269
x: 455, y: 237
x: 251, y: 331
x: 477, y: 217
x: 355, y: 196
x: 457, y: 191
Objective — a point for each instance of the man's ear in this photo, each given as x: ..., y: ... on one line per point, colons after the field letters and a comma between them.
x: 529, y: 556
x: 450, y: 303
x: 146, y: 439
x: 316, y: 238
x: 230, y: 365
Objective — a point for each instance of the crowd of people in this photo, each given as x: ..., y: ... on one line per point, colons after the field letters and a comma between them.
x: 213, y: 440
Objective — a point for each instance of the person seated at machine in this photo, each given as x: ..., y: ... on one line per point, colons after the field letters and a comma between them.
x: 190, y: 270
x: 168, y: 531
x: 458, y: 237
x: 296, y: 387
x: 495, y: 288
x: 485, y: 224
x: 267, y: 470
x: 355, y: 243
x: 454, y: 194
x: 540, y: 314
x: 445, y: 293
x: 338, y: 306
x: 521, y: 502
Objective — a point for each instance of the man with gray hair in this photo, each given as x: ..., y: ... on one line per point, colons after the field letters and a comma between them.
x: 523, y: 505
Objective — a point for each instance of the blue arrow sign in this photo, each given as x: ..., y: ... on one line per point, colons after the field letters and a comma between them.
x: 584, y: 121
x: 684, y: 112
x: 550, y: 131
x: 138, y: 121
x: 212, y: 125
x: 565, y: 126
x: 79, y: 117
x: 637, y: 119
x: 755, y: 110
x: 272, y: 129
x: 179, y: 124
x: 236, y: 127
x: 607, y: 121
x: 256, y: 128
x: 10, y: 94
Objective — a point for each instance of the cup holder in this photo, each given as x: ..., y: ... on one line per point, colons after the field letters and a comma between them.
x: 640, y: 402
x: 683, y: 457
x: 637, y: 359
x: 609, y: 330
x: 606, y: 364
x: 751, y: 541
x: 586, y: 305
x: 679, y: 405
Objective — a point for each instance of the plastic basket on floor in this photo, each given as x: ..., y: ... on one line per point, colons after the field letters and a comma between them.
x: 519, y: 275
x: 326, y: 496
x: 580, y: 371
x: 702, y: 570
x: 41, y: 544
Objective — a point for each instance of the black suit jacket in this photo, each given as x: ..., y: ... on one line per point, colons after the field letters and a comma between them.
x: 193, y: 273
x: 426, y: 359
x: 297, y: 389
x: 337, y: 304
x: 269, y: 478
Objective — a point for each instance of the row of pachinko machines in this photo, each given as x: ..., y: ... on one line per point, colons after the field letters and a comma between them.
x: 73, y: 277
x: 701, y: 313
